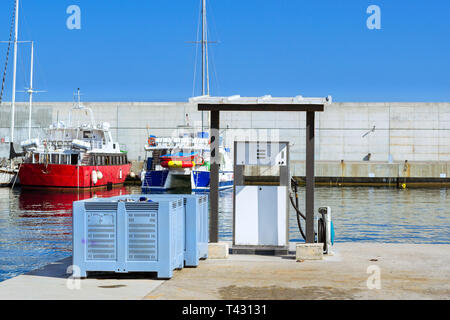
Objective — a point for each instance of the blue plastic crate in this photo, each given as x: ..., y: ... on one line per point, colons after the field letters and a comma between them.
x: 111, y: 235
x: 197, y: 225
x: 196, y: 222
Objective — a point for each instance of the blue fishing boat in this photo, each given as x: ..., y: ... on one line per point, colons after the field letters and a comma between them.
x: 183, y: 161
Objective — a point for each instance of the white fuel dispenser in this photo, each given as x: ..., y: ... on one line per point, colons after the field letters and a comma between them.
x: 260, y: 211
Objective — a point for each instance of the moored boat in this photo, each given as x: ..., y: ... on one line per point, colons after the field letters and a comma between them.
x: 7, y: 176
x: 74, y: 156
x: 9, y: 169
x: 183, y: 161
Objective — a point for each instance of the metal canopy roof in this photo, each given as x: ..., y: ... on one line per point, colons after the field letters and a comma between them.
x: 264, y: 103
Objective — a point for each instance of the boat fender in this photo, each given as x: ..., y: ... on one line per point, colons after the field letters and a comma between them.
x: 151, y: 141
x: 99, y: 175
x: 132, y: 174
x: 120, y: 174
x: 200, y: 161
x: 94, y: 177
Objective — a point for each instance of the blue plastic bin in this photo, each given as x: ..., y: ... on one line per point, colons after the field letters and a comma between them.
x: 112, y: 235
x: 197, y: 225
x: 196, y: 222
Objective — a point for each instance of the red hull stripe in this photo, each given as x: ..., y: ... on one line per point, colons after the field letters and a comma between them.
x: 68, y: 176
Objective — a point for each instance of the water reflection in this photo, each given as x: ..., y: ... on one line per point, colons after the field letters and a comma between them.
x: 36, y: 225
x: 35, y: 200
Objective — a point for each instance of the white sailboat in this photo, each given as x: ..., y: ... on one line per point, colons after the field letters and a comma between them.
x: 182, y: 160
x: 9, y: 168
x: 7, y: 176
x: 8, y: 171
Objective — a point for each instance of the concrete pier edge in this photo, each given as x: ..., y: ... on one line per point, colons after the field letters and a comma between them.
x: 406, y: 271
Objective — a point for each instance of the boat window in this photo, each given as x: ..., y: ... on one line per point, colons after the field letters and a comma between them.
x: 74, y: 159
x: 36, y: 158
x: 87, y: 135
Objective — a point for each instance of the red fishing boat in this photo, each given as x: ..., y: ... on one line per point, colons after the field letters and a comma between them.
x: 81, y: 155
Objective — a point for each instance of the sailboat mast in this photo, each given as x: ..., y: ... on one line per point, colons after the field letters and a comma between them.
x: 31, y: 90
x: 203, y: 44
x: 205, y: 69
x: 13, y: 101
x: 206, y: 54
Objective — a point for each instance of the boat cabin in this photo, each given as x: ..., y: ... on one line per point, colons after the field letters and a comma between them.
x: 88, y: 159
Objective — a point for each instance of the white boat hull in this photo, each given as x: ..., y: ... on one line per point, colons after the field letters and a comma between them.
x: 7, y: 177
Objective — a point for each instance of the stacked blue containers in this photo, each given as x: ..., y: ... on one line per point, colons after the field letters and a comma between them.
x: 196, y: 222
x: 115, y: 234
x: 197, y: 225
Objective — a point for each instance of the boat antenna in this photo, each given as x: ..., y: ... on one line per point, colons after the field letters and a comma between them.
x: 77, y: 99
x: 79, y: 96
x: 80, y: 106
x: 31, y: 90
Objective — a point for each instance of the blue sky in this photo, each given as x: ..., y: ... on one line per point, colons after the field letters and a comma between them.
x: 138, y: 51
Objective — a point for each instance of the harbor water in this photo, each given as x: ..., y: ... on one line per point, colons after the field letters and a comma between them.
x: 36, y: 225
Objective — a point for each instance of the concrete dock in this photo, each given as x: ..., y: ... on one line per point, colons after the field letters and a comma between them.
x: 400, y: 271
